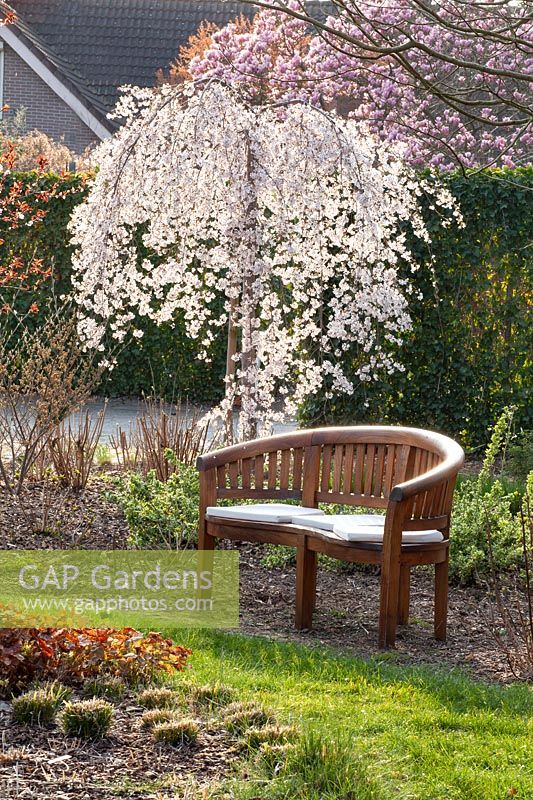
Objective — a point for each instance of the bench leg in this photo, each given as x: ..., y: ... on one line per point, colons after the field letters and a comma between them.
x: 389, y: 601
x: 205, y: 541
x: 305, y: 587
x: 405, y: 588
x: 441, y: 600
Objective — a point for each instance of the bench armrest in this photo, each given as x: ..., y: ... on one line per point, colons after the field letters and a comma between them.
x: 442, y: 473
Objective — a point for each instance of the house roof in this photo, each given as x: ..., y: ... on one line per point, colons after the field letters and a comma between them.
x: 99, y: 45
x: 95, y: 46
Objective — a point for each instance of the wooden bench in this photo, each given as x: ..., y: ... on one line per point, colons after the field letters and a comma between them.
x: 407, y: 472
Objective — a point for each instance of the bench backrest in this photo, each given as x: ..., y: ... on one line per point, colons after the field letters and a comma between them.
x: 356, y: 466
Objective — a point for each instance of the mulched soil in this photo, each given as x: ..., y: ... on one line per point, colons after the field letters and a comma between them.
x: 347, y: 602
x: 51, y: 520
x: 38, y: 763
x: 346, y: 618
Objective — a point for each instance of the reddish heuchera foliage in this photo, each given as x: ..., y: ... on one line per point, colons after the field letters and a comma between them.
x: 72, y: 655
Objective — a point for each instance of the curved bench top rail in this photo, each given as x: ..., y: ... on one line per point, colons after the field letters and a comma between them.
x: 255, y: 447
x: 452, y: 454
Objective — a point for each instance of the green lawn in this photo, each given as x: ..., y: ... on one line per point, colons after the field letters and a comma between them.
x: 396, y: 732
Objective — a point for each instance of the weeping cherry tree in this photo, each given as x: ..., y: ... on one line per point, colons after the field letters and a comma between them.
x: 283, y: 224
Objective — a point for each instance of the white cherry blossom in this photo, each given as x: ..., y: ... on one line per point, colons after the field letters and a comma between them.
x: 282, y: 222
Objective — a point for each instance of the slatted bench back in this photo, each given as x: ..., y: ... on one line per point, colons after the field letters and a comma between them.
x: 357, y: 466
x: 274, y: 475
x: 360, y: 467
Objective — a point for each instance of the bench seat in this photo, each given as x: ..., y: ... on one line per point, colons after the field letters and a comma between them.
x: 343, y: 527
x: 262, y: 512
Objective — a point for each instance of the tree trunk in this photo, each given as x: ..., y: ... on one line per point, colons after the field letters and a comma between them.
x: 230, y: 372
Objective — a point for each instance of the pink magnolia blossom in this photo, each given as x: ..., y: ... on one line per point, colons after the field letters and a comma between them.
x: 280, y: 56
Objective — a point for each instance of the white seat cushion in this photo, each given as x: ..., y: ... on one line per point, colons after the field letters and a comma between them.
x: 328, y: 521
x: 262, y: 512
x: 350, y: 529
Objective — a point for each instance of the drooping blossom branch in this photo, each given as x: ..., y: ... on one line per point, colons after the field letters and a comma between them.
x: 289, y: 218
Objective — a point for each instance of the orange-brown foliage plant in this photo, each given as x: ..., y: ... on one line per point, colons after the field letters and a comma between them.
x: 196, y: 46
x: 24, y: 203
x: 73, y: 655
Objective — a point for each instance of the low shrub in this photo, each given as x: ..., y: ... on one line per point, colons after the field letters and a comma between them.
x: 39, y: 707
x: 176, y: 732
x: 485, y: 530
x: 87, y: 719
x: 278, y: 556
x: 520, y: 456
x: 160, y: 513
x: 73, y: 655
x: 157, y: 697
x: 109, y: 687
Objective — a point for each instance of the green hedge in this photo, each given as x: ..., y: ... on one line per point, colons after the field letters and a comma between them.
x: 467, y: 356
x: 469, y: 352
x: 47, y: 239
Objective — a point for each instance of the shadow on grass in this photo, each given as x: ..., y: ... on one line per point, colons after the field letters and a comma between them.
x: 454, y: 689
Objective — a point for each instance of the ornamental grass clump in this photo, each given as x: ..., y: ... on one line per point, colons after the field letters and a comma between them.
x: 39, y: 706
x: 239, y: 717
x: 110, y: 687
x: 328, y: 765
x: 212, y: 695
x: 270, y: 734
x: 176, y: 732
x: 87, y: 719
x: 157, y: 697
x: 157, y: 716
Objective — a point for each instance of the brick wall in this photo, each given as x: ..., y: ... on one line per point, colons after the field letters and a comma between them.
x: 45, y: 111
